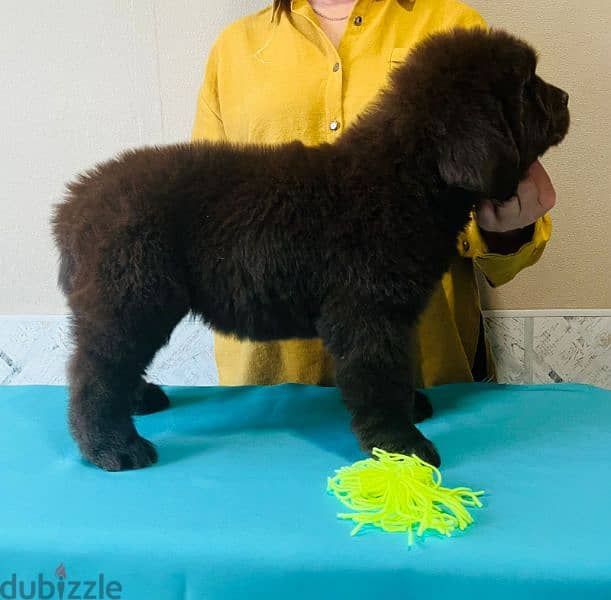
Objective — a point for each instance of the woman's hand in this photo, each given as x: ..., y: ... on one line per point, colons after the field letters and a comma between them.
x: 508, y: 226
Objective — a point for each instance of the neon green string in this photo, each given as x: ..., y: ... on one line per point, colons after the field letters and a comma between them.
x: 400, y: 493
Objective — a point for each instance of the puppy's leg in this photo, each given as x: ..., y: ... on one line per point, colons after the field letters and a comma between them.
x: 105, y: 377
x: 149, y: 398
x: 422, y: 407
x: 373, y: 374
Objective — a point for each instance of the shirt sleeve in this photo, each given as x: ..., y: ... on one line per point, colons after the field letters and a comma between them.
x: 470, y: 18
x: 501, y: 268
x: 208, y: 124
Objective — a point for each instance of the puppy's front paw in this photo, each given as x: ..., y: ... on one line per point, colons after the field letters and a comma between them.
x: 121, y: 455
x: 404, y: 440
x: 149, y: 398
x: 422, y: 407
x: 422, y: 448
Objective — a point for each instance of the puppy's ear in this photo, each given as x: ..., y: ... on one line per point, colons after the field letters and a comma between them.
x: 479, y: 154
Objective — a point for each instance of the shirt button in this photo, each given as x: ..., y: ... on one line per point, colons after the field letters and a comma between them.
x: 465, y: 245
x: 336, y: 67
x: 358, y: 20
x: 334, y: 125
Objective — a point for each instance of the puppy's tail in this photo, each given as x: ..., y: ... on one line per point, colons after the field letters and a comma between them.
x: 67, y: 268
x: 67, y: 262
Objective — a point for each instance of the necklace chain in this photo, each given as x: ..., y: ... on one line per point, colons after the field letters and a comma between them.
x: 330, y: 18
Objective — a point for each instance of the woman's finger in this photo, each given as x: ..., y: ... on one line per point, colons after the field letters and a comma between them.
x: 547, y: 194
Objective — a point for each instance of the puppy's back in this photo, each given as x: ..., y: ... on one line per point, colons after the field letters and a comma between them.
x: 132, y: 191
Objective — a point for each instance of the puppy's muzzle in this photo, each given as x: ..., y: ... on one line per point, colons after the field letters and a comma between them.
x: 559, y: 101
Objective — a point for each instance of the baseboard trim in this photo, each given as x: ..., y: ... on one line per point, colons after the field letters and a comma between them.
x: 34, y: 317
x: 34, y: 349
x: 492, y: 312
x: 548, y: 312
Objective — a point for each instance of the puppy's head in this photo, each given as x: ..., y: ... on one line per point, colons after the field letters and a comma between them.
x: 487, y: 111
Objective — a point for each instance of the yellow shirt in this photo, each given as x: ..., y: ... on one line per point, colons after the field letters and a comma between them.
x: 273, y: 77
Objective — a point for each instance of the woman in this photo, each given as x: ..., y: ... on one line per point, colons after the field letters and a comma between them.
x: 304, y: 70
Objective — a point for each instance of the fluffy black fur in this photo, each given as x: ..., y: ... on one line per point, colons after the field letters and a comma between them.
x: 342, y: 241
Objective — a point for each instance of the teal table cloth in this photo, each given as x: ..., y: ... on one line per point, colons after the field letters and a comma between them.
x: 237, y: 507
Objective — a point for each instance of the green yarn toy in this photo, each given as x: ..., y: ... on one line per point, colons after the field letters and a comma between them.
x: 395, y: 492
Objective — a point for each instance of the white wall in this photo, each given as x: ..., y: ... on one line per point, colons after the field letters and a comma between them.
x: 83, y: 80
x: 80, y: 81
x: 574, y: 43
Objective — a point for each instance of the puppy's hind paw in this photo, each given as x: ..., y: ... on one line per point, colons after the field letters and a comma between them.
x: 119, y: 455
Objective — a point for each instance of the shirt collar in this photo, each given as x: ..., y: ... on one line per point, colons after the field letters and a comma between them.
x: 276, y: 8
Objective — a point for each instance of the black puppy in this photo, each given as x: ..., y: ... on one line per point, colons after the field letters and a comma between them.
x: 342, y: 241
